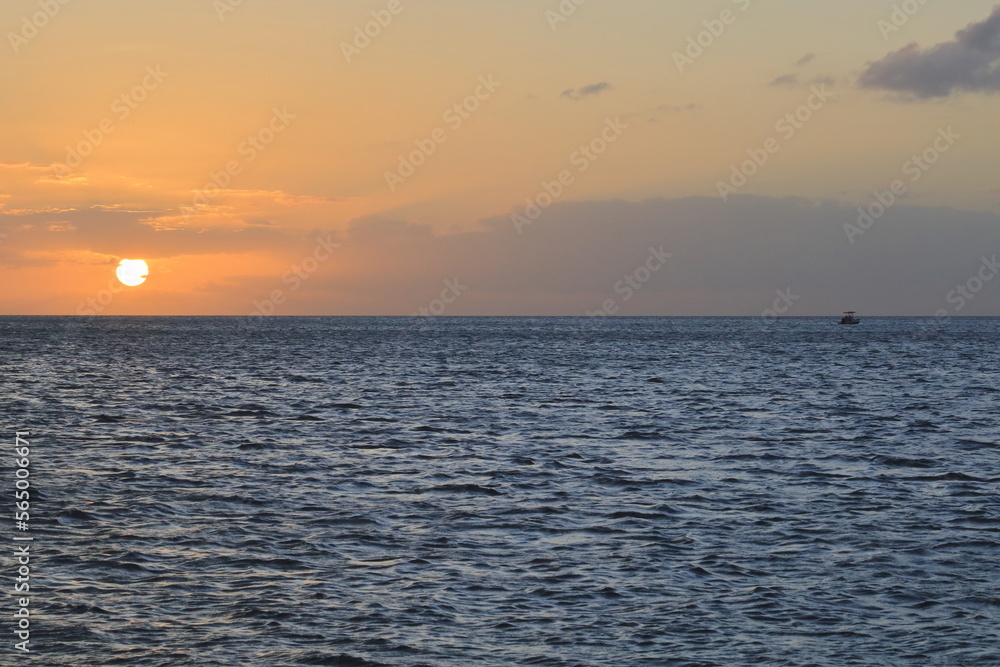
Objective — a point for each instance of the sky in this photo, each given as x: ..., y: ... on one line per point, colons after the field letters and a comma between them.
x: 500, y: 157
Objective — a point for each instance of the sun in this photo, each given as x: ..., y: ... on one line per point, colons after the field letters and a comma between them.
x: 132, y: 272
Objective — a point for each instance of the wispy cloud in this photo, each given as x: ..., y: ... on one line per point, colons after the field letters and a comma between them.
x: 653, y: 115
x: 967, y: 63
x: 36, y: 211
x: 668, y: 109
x: 25, y: 166
x: 786, y: 80
x: 593, y: 89
x: 794, y: 81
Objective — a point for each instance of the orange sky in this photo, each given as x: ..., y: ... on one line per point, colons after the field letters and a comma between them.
x: 272, y: 150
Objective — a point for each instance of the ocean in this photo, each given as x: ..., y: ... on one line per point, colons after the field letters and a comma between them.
x: 504, y: 491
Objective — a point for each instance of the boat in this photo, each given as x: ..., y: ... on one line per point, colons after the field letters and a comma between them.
x: 849, y: 318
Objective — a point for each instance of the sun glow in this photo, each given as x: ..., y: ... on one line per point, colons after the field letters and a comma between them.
x: 132, y: 272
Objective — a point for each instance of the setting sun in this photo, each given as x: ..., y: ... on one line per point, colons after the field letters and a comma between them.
x: 132, y: 272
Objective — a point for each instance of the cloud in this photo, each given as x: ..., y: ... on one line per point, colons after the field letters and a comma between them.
x: 35, y: 211
x: 62, y: 227
x: 805, y: 60
x: 728, y: 258
x: 279, y: 197
x: 656, y: 113
x: 41, y: 173
x: 587, y: 91
x: 64, y: 180
x: 667, y: 108
x: 793, y: 81
x: 967, y: 63
x: 121, y: 233
x: 24, y: 166
x: 786, y: 80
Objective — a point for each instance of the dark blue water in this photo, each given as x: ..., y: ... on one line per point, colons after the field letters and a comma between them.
x: 508, y: 491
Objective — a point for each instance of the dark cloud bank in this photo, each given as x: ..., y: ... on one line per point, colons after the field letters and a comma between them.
x: 727, y: 259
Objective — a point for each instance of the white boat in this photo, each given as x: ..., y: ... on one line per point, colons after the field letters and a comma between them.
x: 849, y: 318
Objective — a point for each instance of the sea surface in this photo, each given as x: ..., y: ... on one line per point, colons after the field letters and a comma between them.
x: 505, y: 491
